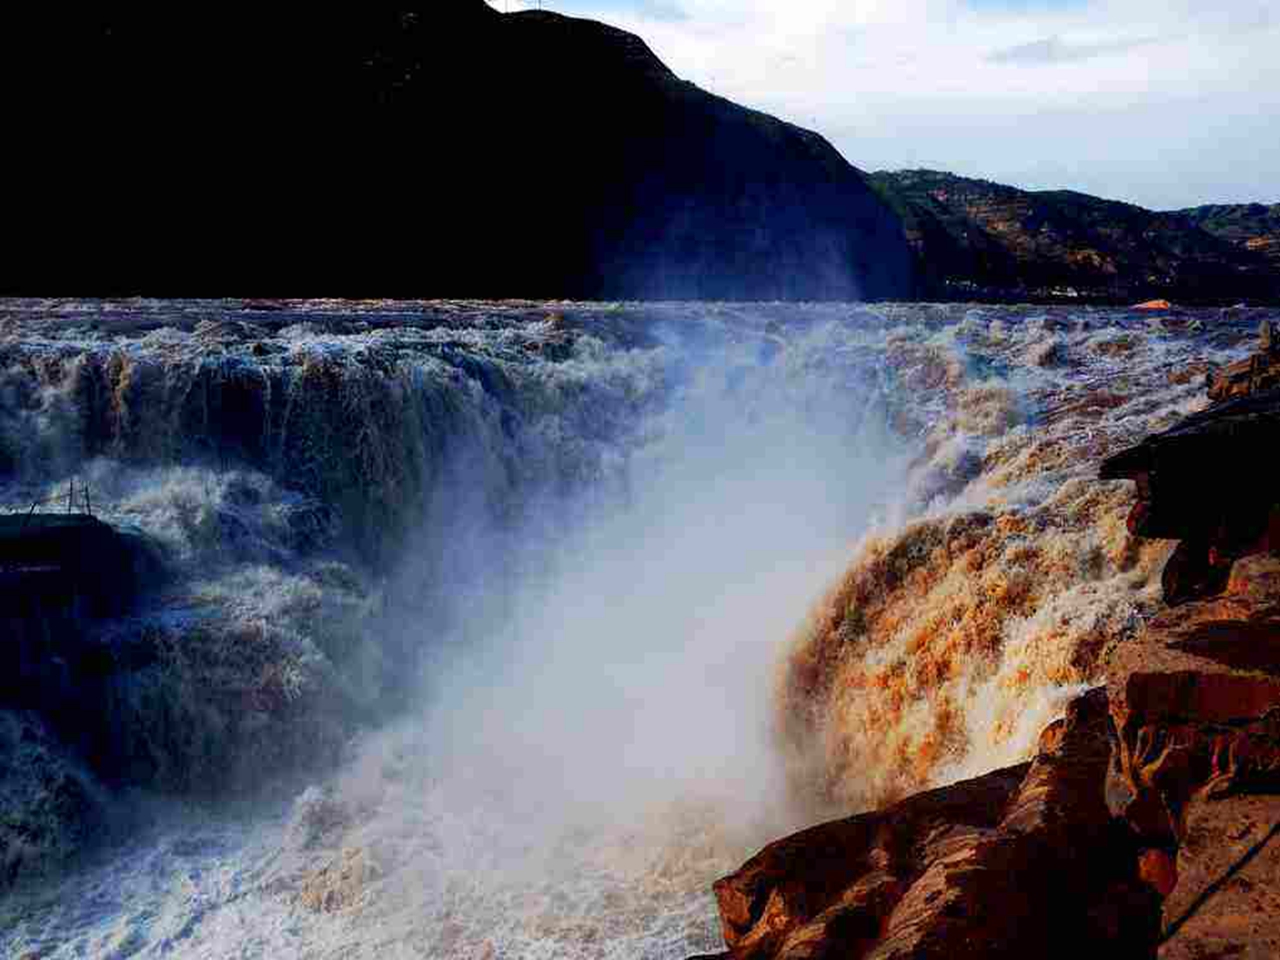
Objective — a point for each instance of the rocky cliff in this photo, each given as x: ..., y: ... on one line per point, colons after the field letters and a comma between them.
x: 60, y: 576
x: 980, y: 240
x: 1145, y: 820
x: 442, y: 149
x: 1174, y: 469
x: 1144, y: 825
x: 1025, y: 861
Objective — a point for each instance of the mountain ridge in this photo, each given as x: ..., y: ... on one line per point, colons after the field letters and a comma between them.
x: 979, y: 239
x: 449, y: 150
x: 443, y: 150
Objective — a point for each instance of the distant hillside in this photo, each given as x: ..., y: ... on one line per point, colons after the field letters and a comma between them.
x: 982, y: 240
x: 1248, y: 226
x: 439, y: 150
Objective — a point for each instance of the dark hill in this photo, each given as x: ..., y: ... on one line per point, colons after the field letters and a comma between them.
x: 445, y: 150
x: 980, y: 240
x: 1253, y: 227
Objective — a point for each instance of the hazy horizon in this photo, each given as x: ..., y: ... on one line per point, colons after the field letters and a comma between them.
x: 1163, y: 105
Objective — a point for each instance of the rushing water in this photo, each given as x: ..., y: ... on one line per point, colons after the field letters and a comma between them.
x: 479, y: 610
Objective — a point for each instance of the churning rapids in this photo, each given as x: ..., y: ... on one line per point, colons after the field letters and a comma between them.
x: 502, y: 630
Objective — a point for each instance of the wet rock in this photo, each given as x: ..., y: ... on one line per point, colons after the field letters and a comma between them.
x: 1199, y: 482
x: 1252, y: 375
x: 73, y: 560
x: 51, y: 809
x: 1048, y: 353
x: 1026, y: 861
x: 61, y: 576
x: 839, y: 876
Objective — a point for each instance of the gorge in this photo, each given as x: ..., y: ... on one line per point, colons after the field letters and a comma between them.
x: 524, y: 574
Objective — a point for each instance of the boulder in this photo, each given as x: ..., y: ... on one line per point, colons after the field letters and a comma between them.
x: 59, y: 575
x: 1201, y: 482
x: 1254, y: 374
x: 1024, y: 861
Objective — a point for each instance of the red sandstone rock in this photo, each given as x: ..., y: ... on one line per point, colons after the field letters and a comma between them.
x: 1195, y: 701
x: 1026, y: 861
x: 1227, y: 901
x: 1252, y: 375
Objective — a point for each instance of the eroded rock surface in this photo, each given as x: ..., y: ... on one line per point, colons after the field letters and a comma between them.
x: 1227, y: 899
x: 1195, y: 700
x: 1023, y: 861
x: 1147, y: 822
x: 1253, y: 374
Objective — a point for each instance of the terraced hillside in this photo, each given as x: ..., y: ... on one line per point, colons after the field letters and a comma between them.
x: 1250, y: 226
x: 979, y: 240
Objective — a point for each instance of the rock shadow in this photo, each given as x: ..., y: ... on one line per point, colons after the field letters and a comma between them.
x: 1241, y: 645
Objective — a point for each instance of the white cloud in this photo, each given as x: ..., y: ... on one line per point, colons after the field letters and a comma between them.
x: 1162, y: 103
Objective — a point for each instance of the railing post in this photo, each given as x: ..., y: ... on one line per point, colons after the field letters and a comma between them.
x: 23, y: 528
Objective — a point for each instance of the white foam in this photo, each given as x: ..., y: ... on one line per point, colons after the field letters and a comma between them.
x: 587, y: 760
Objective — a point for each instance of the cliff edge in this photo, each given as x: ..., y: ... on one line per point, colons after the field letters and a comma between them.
x: 1145, y: 823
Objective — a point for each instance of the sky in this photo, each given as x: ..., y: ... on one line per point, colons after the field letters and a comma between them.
x: 1164, y: 103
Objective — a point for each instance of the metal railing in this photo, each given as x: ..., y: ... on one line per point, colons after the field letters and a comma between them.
x: 77, y: 499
